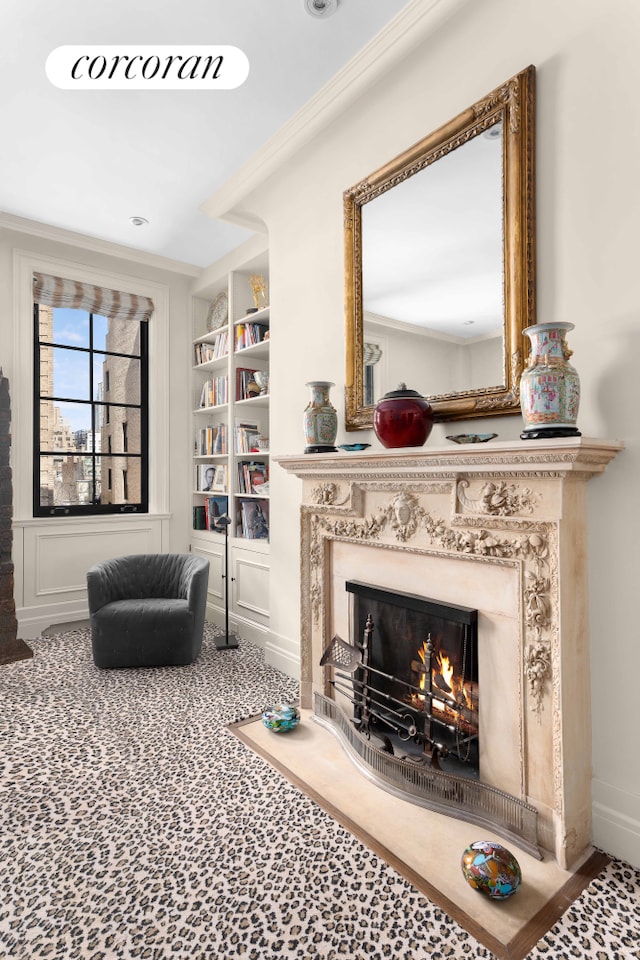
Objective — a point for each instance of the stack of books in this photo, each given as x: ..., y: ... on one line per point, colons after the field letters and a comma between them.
x: 246, y: 437
x: 246, y: 386
x: 211, y: 439
x: 212, y: 351
x: 248, y: 333
x: 214, y: 392
x: 253, y: 477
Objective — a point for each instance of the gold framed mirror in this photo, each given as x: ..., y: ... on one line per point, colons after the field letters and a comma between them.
x: 440, y: 264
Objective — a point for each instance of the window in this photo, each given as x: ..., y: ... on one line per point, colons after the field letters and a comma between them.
x: 91, y: 406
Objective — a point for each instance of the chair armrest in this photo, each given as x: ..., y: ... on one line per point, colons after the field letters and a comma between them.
x: 198, y: 583
x: 98, y: 592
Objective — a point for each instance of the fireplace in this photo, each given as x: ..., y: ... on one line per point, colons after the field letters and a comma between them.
x: 500, y: 530
x: 415, y: 686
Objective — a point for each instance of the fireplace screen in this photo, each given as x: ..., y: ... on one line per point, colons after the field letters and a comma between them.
x: 410, y: 672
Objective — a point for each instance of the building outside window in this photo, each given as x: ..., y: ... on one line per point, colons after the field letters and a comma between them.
x: 91, y: 404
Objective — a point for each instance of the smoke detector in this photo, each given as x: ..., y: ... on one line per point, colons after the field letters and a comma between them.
x: 321, y: 8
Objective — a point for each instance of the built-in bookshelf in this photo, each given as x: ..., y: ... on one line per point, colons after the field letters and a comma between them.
x: 230, y: 414
x: 229, y: 424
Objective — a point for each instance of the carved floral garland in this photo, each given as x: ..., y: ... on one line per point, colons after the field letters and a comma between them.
x: 405, y: 516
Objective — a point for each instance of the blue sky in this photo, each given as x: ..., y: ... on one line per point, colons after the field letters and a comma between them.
x: 71, y: 369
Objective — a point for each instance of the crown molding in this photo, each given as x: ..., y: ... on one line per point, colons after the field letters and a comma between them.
x: 58, y: 235
x: 392, y: 44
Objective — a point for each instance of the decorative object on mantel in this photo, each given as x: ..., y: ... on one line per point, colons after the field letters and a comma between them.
x: 472, y: 437
x: 11, y: 649
x: 491, y: 869
x: 403, y: 418
x: 320, y: 419
x: 281, y: 718
x: 550, y: 386
x: 353, y: 447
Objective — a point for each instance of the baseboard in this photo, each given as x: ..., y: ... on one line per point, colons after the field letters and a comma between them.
x: 282, y: 653
x: 33, y: 621
x: 616, y: 828
x: 238, y: 626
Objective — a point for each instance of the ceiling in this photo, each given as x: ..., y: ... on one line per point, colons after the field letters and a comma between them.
x: 88, y: 160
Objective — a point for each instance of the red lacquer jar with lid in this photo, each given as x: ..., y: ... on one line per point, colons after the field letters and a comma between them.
x: 402, y: 418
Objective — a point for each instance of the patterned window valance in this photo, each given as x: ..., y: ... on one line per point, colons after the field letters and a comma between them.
x: 371, y: 353
x: 57, y: 292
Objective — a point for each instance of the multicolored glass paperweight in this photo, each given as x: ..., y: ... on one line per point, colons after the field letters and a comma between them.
x: 281, y: 718
x: 491, y: 869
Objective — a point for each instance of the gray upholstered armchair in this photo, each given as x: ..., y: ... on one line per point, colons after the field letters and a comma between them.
x: 147, y: 610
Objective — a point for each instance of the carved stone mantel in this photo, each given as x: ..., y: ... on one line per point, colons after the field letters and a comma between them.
x: 501, y: 527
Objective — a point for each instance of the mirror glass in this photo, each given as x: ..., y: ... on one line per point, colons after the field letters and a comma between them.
x: 439, y: 265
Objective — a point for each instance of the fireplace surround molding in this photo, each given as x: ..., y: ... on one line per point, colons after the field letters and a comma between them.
x: 502, y: 529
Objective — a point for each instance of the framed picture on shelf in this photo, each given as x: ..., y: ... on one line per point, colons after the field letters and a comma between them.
x: 206, y: 474
x: 220, y: 479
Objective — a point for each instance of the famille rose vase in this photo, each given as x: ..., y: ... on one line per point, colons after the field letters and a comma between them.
x: 320, y: 419
x: 549, y: 387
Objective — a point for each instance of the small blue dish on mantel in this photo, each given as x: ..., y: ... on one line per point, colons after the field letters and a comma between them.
x: 353, y: 447
x: 472, y: 437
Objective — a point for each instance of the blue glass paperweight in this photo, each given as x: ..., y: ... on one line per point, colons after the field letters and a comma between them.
x: 281, y: 718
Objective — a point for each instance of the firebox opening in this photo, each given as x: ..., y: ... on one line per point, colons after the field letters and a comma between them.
x: 415, y: 690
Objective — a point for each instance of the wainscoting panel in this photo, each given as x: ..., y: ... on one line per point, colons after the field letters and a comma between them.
x: 52, y: 560
x: 251, y: 587
x: 214, y: 553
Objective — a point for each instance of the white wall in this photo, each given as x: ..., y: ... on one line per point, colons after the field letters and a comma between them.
x: 51, y: 557
x: 588, y: 157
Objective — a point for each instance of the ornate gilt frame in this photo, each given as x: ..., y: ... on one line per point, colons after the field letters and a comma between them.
x: 514, y: 104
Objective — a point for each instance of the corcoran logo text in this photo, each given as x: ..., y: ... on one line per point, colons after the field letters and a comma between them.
x: 147, y: 67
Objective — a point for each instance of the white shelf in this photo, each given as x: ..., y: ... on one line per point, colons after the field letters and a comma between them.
x: 259, y: 401
x: 221, y: 407
x: 256, y: 317
x: 211, y: 335
x: 212, y: 364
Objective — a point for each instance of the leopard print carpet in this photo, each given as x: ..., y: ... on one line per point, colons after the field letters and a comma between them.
x: 135, y: 826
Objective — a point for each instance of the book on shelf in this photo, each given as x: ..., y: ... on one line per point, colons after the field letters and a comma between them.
x: 211, y: 439
x: 246, y: 436
x: 252, y: 519
x: 249, y: 333
x: 199, y: 518
x: 204, y: 352
x: 215, y: 392
x: 214, y: 508
x: 252, y: 476
x: 246, y: 386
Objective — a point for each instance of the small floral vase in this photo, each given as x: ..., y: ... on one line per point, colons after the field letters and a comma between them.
x: 320, y: 419
x: 550, y: 386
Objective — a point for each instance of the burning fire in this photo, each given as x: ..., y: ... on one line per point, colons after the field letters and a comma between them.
x: 444, y: 679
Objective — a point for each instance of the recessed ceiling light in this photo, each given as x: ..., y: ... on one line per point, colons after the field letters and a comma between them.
x: 468, y: 323
x: 138, y: 221
x: 321, y: 8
